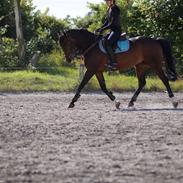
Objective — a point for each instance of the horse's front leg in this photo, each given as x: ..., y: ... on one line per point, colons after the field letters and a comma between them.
x: 88, y: 75
x: 101, y: 80
x: 140, y: 72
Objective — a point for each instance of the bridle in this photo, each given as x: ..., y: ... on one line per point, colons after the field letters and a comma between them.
x: 80, y: 53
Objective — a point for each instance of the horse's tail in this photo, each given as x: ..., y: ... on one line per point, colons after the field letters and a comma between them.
x: 169, y: 60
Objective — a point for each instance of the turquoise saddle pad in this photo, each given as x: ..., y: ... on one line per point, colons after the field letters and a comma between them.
x: 122, y: 46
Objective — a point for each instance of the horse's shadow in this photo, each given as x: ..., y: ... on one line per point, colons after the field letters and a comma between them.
x: 3, y: 94
x: 150, y: 109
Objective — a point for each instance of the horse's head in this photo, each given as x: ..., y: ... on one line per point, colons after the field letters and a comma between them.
x: 68, y: 45
x: 74, y: 42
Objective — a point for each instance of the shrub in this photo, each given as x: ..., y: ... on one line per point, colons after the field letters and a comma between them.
x: 8, y: 53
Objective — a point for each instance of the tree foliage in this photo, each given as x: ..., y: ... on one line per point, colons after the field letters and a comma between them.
x: 158, y: 18
x: 39, y: 29
x: 163, y: 18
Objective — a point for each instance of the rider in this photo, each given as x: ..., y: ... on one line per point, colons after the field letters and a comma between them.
x: 113, y: 24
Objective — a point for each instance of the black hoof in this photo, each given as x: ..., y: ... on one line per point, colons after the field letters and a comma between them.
x: 131, y: 104
x: 117, y: 104
x: 175, y: 104
x: 71, y: 105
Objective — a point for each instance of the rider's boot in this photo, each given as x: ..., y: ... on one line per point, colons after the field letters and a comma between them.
x: 112, y: 65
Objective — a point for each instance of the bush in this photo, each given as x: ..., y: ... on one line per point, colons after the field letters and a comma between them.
x: 54, y: 59
x: 8, y: 53
x: 44, y: 45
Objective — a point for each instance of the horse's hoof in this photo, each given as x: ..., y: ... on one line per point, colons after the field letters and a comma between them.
x: 131, y: 104
x: 71, y: 105
x: 117, y: 104
x: 175, y: 104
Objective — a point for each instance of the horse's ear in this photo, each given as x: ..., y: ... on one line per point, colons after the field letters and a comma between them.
x: 64, y: 33
x: 60, y: 34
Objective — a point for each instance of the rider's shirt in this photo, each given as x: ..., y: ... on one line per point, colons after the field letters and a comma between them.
x: 113, y: 19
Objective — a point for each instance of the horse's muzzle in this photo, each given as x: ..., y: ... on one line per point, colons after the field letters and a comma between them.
x: 68, y: 59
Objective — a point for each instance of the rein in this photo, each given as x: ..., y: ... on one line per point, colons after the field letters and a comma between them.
x: 90, y: 47
x: 78, y: 52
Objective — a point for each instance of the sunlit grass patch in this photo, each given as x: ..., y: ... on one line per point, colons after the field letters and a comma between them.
x: 67, y: 79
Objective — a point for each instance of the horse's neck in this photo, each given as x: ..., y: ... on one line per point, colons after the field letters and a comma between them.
x: 88, y: 43
x: 85, y: 40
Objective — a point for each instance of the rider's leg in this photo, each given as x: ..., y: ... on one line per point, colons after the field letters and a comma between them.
x: 110, y: 52
x: 111, y: 40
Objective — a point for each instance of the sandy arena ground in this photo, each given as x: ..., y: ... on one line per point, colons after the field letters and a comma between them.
x: 43, y: 141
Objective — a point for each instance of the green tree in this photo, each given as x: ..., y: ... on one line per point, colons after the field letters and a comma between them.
x: 7, y: 18
x: 40, y: 30
x: 97, y: 15
x: 19, y: 33
x: 160, y: 18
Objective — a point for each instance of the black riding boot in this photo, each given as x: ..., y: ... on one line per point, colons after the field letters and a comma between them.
x: 112, y: 65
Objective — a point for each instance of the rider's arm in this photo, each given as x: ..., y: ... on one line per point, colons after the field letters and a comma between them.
x: 114, y: 14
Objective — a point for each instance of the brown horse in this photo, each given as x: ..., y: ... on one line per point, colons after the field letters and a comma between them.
x: 144, y: 53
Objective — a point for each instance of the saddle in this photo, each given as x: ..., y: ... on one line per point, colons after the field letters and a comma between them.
x: 123, y: 44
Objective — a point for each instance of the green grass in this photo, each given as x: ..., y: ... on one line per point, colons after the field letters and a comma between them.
x: 28, y: 81
x: 130, y: 83
x: 67, y: 79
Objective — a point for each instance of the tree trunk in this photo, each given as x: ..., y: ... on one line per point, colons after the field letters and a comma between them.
x: 19, y: 32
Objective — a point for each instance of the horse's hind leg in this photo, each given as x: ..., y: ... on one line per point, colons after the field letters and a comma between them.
x: 102, y: 84
x: 88, y: 75
x: 165, y: 81
x: 140, y: 72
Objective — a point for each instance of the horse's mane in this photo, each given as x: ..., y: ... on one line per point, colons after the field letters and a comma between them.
x: 82, y: 33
